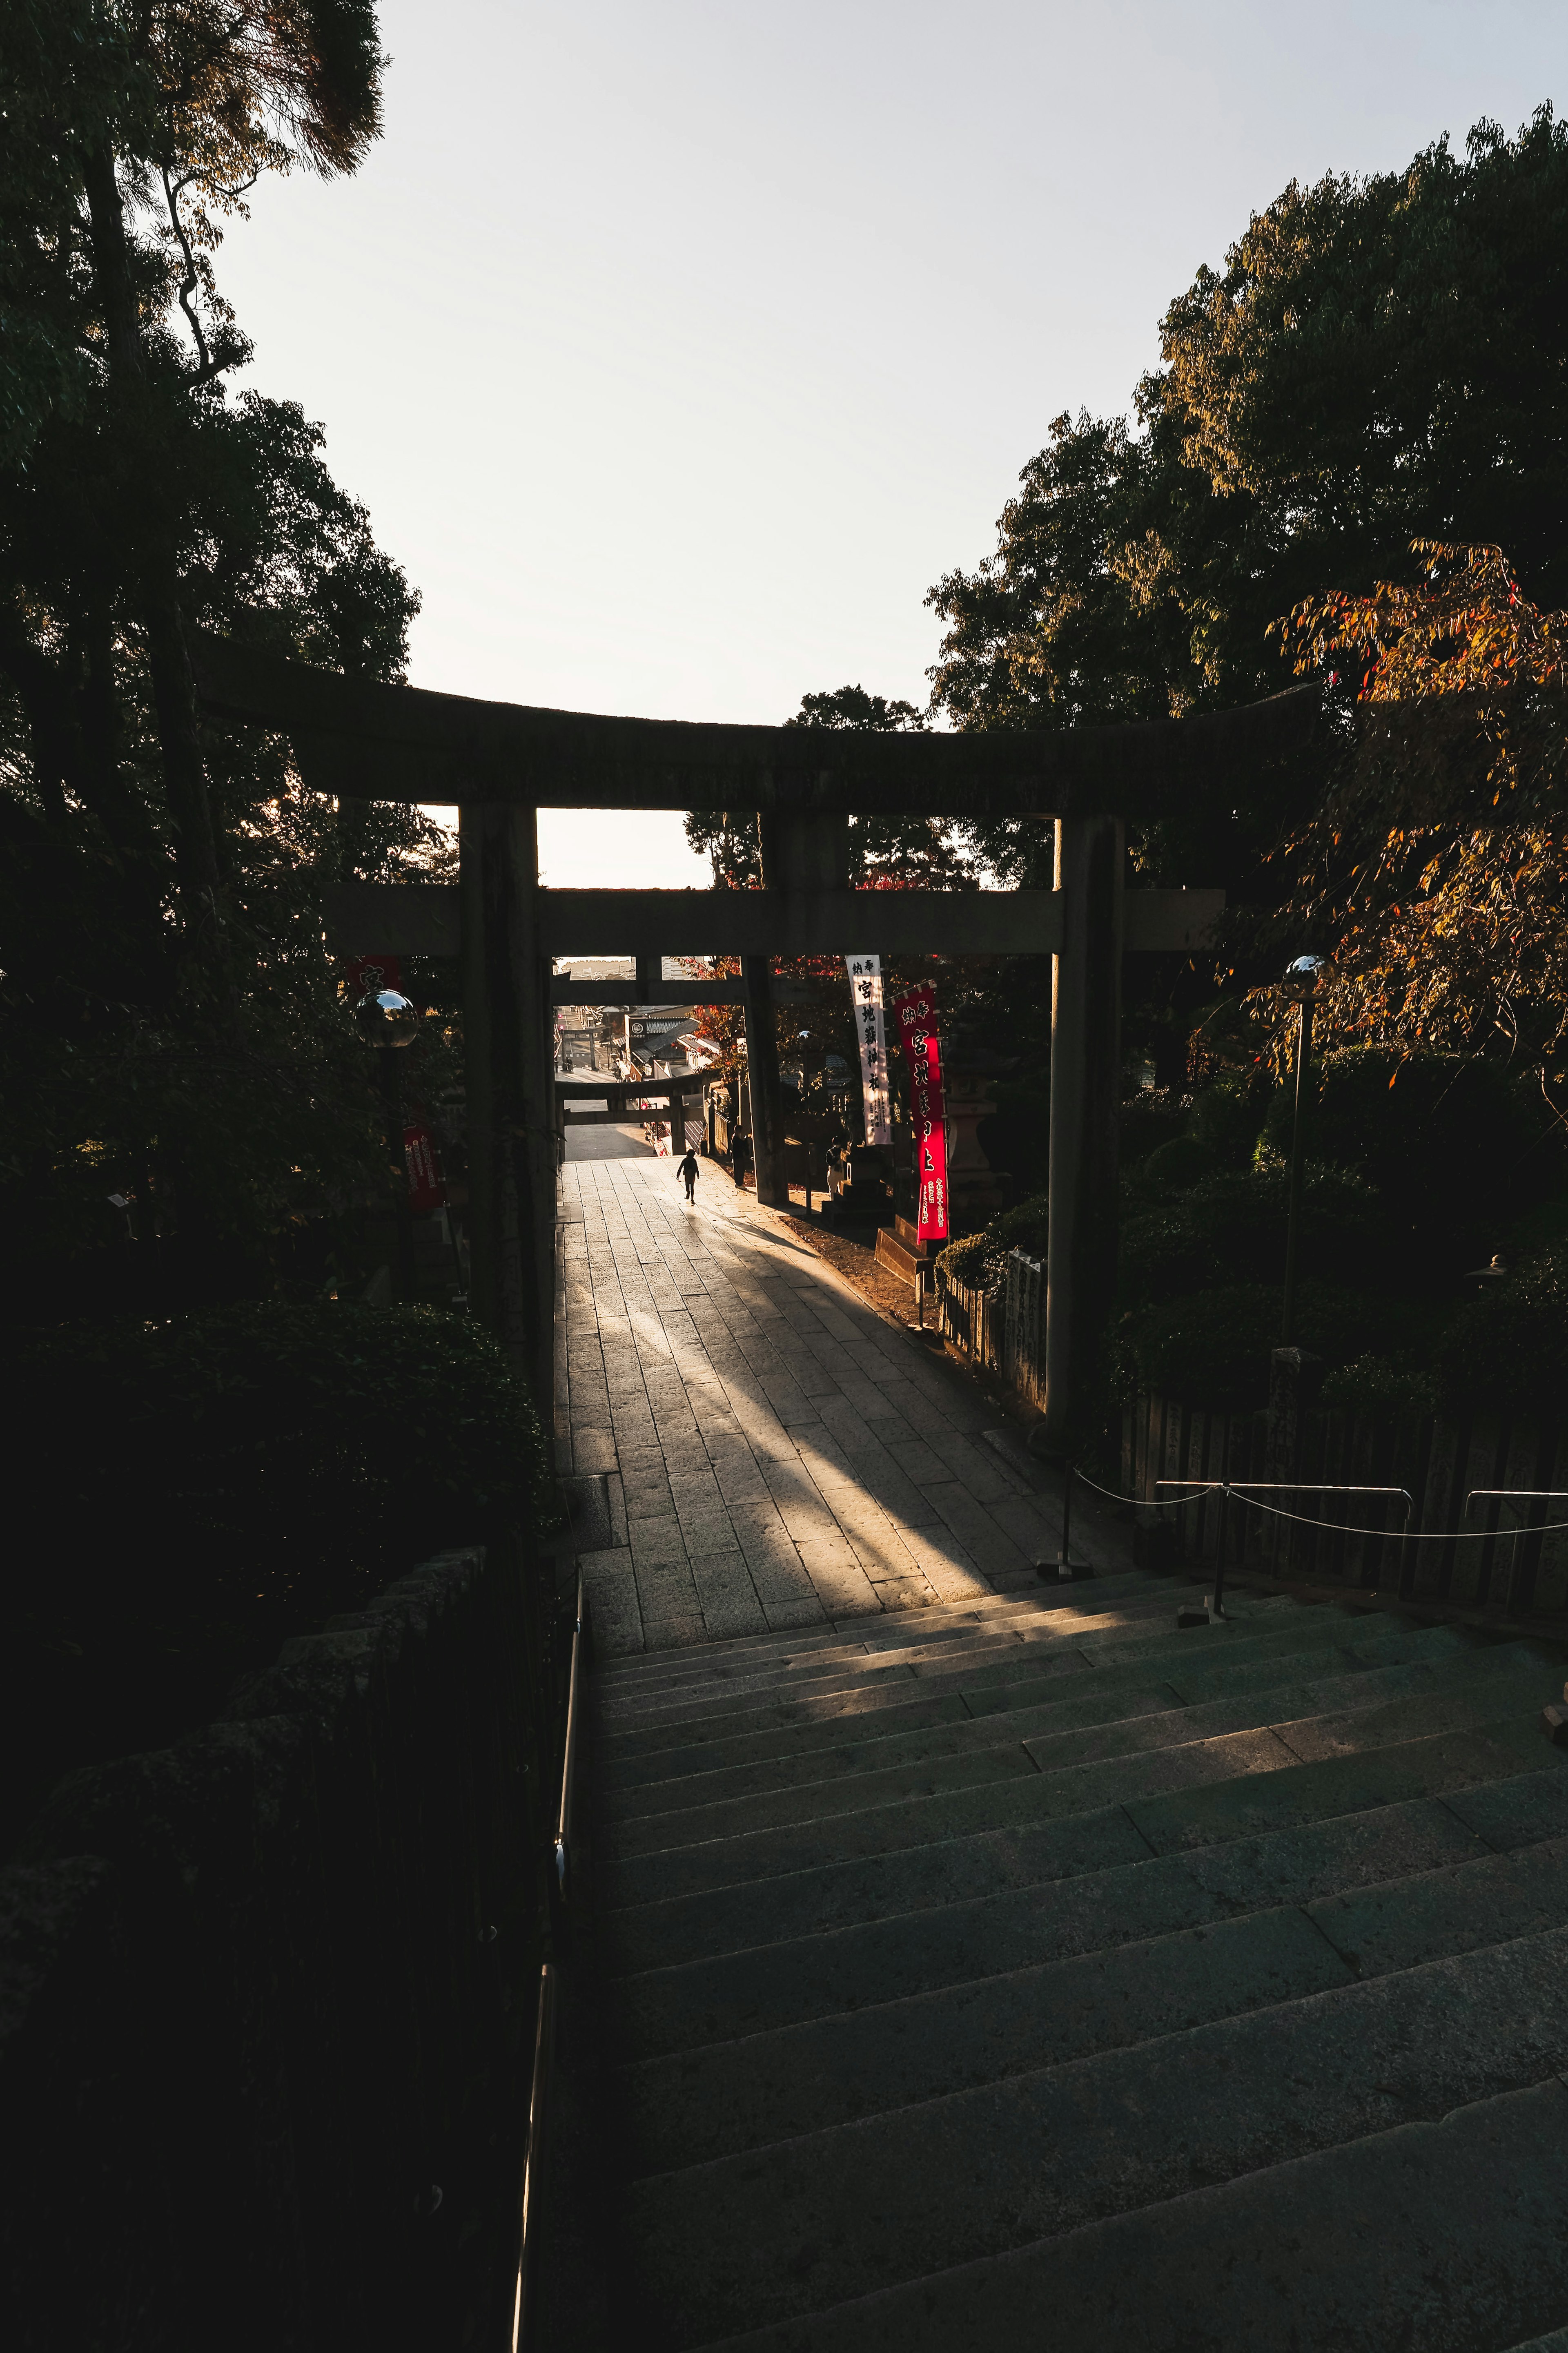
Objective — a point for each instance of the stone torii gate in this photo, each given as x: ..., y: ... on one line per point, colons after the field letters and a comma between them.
x: 501, y: 762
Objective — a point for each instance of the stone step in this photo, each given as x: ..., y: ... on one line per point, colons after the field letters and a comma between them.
x: 1194, y: 1815
x: 1557, y: 2342
x: 1171, y: 1684
x: 975, y: 1609
x: 1446, y: 2237
x: 978, y: 1675
x: 684, y: 1997
x: 761, y: 1653
x: 1000, y: 1785
x: 1082, y: 1724
x: 1143, y: 1614
x: 694, y: 2104
x: 807, y: 2223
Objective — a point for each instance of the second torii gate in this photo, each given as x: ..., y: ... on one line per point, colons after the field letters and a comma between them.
x: 501, y: 762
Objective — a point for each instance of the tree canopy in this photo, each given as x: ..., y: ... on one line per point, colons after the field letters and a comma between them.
x: 1380, y: 359
x: 171, y: 1033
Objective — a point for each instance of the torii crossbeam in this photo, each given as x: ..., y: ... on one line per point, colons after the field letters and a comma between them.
x: 500, y: 762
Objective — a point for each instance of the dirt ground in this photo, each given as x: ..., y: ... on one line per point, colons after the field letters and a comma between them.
x: 857, y: 1262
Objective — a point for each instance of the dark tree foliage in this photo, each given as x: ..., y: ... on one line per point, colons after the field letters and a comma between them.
x: 1380, y: 361
x: 171, y: 1032
x: 913, y: 851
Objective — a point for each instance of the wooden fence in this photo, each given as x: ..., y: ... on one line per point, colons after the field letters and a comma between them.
x: 1002, y: 1330
x: 1502, y: 1557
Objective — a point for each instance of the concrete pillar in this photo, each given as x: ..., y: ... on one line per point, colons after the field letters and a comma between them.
x: 510, y: 1092
x: 1085, y: 1101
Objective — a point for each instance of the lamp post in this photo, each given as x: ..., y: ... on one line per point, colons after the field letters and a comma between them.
x: 387, y: 1021
x: 1300, y: 985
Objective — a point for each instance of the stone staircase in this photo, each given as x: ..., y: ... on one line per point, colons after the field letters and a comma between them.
x: 1031, y: 1975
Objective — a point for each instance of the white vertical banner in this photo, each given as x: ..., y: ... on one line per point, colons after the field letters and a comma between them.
x: 865, y: 995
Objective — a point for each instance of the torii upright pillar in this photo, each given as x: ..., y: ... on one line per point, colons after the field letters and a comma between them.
x: 803, y: 853
x: 510, y: 1087
x: 1086, y: 1099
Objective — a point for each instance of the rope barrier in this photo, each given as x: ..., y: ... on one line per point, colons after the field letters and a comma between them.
x: 1138, y: 1502
x: 1302, y: 1519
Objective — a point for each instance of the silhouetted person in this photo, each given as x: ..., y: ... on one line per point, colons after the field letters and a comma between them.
x: 687, y: 1172
x: 740, y: 1153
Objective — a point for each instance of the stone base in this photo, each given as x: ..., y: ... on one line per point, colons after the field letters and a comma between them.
x: 900, y: 1252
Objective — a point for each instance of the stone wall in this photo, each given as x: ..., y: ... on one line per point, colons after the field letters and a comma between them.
x: 267, y: 1998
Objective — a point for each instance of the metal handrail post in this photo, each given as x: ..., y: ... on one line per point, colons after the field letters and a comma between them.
x: 1064, y: 1570
x: 1514, y: 1495
x: 1211, y: 1612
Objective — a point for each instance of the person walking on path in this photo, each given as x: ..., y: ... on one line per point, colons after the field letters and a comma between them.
x: 740, y: 1151
x: 687, y: 1172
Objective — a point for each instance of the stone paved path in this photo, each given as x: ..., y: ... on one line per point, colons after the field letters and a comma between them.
x: 775, y: 1454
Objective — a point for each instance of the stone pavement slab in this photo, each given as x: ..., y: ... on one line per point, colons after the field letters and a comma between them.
x: 777, y: 1455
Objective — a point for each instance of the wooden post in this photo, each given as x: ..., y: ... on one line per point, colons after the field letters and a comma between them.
x: 510, y: 1092
x: 1086, y: 1092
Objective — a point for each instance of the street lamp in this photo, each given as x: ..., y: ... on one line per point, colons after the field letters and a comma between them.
x: 1300, y: 985
x: 387, y: 1021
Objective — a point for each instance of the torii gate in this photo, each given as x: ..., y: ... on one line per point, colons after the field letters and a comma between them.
x: 501, y: 762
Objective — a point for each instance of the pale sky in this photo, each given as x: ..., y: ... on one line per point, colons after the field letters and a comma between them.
x: 676, y: 348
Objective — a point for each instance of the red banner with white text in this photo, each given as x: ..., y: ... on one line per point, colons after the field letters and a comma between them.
x: 916, y: 1013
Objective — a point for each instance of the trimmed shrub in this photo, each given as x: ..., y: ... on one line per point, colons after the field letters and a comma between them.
x: 1377, y: 1385
x: 1213, y: 1347
x: 980, y: 1260
x: 1178, y: 1166
x: 1231, y: 1230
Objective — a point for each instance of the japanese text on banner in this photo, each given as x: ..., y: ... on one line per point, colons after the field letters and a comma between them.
x: 866, y: 996
x: 916, y: 1011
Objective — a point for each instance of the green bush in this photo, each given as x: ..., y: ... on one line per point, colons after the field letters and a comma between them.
x: 1447, y: 1141
x: 1509, y: 1350
x: 1231, y: 1230
x: 186, y: 1495
x: 1227, y: 1115
x: 1153, y: 1116
x: 963, y: 1262
x: 1214, y: 1346
x: 1176, y: 1166
x: 274, y: 1452
x: 1375, y: 1385
x: 979, y: 1262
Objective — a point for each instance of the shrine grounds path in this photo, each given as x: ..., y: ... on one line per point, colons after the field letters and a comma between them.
x: 773, y: 1453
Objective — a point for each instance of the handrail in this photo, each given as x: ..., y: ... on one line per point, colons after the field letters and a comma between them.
x: 544, y: 2032
x: 1212, y: 1610
x: 533, y: 2156
x: 569, y: 1761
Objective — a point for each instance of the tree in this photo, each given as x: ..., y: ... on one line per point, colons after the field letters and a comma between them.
x: 1436, y: 871
x: 915, y: 851
x: 171, y: 1032
x: 1380, y: 359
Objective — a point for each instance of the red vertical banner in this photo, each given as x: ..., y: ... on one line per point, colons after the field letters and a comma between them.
x: 365, y: 974
x: 425, y: 1189
x: 916, y: 1011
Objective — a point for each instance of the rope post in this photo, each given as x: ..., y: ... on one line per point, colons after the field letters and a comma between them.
x: 1216, y: 1601
x: 1210, y: 1612
x: 1064, y: 1570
